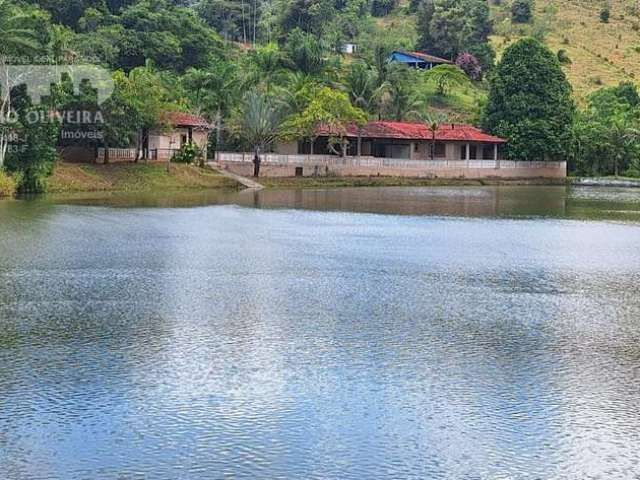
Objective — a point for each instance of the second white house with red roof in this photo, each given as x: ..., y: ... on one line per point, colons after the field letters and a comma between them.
x: 403, y: 140
x: 392, y: 149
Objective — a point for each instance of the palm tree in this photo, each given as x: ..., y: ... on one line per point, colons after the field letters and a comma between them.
x: 214, y: 90
x: 14, y: 39
x: 433, y: 122
x: 260, y: 124
x: 360, y: 82
x: 622, y: 135
x: 397, y: 97
x: 398, y: 100
x: 447, y: 76
x: 298, y: 90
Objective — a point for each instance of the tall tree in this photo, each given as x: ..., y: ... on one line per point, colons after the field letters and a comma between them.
x: 530, y: 103
x: 16, y: 38
x: 448, y: 27
x: 212, y: 93
x: 330, y: 109
x: 360, y: 81
x: 447, y: 76
x: 260, y: 123
x: 606, y: 134
x: 144, y: 97
x: 305, y: 51
x: 397, y: 97
x: 433, y: 121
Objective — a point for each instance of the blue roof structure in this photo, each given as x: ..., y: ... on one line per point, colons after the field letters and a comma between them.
x: 418, y: 59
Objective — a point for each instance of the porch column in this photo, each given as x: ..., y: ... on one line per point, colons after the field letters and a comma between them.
x: 495, y: 155
x: 359, y: 146
x: 467, y: 155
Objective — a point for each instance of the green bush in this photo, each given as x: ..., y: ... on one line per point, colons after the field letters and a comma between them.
x: 188, y: 153
x: 7, y: 184
x: 563, y: 57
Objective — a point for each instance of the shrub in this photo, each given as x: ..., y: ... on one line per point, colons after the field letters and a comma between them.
x: 563, y: 57
x: 188, y: 153
x: 382, y: 8
x: 469, y: 64
x: 632, y: 172
x: 605, y: 13
x: 522, y: 11
x: 7, y: 184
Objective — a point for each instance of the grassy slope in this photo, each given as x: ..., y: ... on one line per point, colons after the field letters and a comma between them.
x: 69, y: 177
x: 601, y: 54
x: 461, y: 104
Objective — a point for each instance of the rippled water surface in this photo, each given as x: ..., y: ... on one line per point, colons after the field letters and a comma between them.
x: 223, y: 341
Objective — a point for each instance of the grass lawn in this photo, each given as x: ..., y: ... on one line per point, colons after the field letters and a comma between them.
x: 130, y: 177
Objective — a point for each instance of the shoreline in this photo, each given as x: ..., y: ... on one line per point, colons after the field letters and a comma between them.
x: 153, y: 177
x: 134, y: 178
x: 619, y: 182
x: 341, y: 182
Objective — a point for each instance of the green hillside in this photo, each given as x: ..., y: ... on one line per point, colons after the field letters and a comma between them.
x: 601, y: 54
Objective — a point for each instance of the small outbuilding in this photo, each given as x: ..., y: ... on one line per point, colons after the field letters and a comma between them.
x: 182, y: 128
x: 420, y: 60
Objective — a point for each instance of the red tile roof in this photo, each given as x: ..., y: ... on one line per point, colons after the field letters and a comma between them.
x: 428, y: 58
x: 180, y: 119
x: 418, y: 131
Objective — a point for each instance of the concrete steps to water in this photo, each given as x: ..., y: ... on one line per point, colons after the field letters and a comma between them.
x: 246, y: 182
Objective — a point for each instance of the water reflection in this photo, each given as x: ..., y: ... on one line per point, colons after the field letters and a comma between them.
x: 503, y: 201
x: 263, y: 343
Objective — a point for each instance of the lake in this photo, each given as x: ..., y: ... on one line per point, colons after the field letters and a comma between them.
x: 441, y: 333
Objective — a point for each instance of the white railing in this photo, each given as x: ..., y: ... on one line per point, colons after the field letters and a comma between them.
x: 130, y: 153
x: 377, y: 162
x: 118, y: 153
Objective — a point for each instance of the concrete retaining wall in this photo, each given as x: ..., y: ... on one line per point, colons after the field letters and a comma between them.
x: 295, y: 165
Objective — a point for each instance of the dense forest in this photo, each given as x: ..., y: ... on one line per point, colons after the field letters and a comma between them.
x: 259, y: 70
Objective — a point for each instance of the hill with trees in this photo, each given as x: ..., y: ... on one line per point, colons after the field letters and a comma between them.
x: 256, y: 69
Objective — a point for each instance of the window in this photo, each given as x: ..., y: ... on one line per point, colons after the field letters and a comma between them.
x: 416, y: 147
x: 440, y: 150
x: 183, y: 139
x: 487, y: 152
